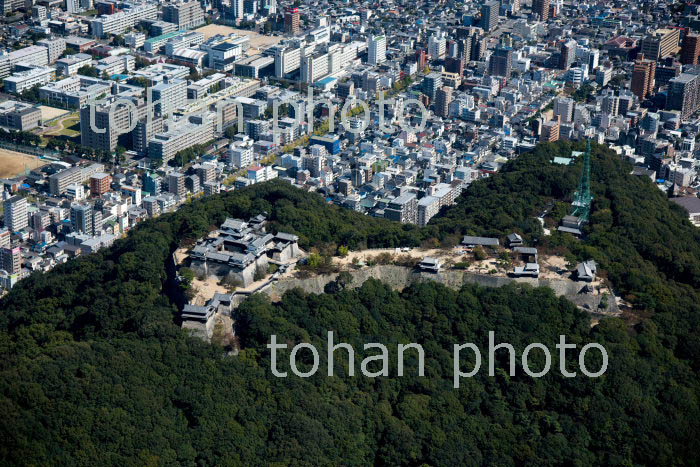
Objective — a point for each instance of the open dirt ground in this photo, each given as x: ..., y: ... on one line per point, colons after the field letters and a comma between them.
x: 257, y: 40
x: 15, y: 163
x: 49, y: 113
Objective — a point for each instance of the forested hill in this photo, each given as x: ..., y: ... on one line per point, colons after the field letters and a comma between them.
x: 95, y: 372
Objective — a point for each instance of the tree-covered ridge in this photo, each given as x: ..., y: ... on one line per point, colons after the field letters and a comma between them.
x: 134, y: 401
x: 95, y: 371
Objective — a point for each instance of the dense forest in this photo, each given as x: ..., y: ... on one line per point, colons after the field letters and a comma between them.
x: 95, y: 372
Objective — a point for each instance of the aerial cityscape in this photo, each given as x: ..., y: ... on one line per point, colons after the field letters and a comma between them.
x: 199, y: 194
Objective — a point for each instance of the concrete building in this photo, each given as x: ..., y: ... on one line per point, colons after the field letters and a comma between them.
x: 489, y: 15
x: 168, y: 96
x: 16, y: 214
x: 100, y: 183
x: 55, y: 48
x: 105, y: 132
x: 643, y: 77
x: 75, y: 91
x: 403, y: 209
x: 28, y: 78
x: 119, y: 22
x: 33, y: 55
x: 501, y: 62
x: 541, y: 8
x: 661, y: 44
x: 443, y: 99
x: 58, y: 182
x: 684, y: 94
x: 550, y: 131
x: 11, y: 260
x: 690, y: 51
x: 376, y: 50
x: 70, y: 65
x: 19, y: 116
x: 292, y: 21
x: 186, y: 15
x: 180, y: 135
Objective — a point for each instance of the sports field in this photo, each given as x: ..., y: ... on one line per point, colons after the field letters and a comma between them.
x: 15, y: 163
x: 257, y: 40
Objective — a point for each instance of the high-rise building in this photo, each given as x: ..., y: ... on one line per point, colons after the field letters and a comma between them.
x: 643, y: 77
x: 99, y: 130
x: 454, y: 65
x: 431, y: 84
x: 168, y: 96
x: 541, y: 8
x: 568, y: 54
x: 550, y: 131
x: 478, y: 47
x: 85, y: 220
x: 684, y: 94
x: 376, y: 50
x: 661, y: 44
x: 610, y: 104
x: 292, y: 21
x: 11, y: 260
x: 16, y: 217
x: 186, y: 15
x: 564, y: 109
x: 176, y: 184
x: 443, y: 99
x: 501, y: 62
x: 690, y: 51
x: 489, y: 15
x: 437, y: 46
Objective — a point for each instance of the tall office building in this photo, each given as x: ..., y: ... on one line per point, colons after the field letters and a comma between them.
x: 489, y: 15
x: 541, y: 8
x: 292, y: 21
x: 643, y: 77
x: 690, y: 51
x: 377, y: 50
x: 16, y: 217
x: 501, y: 62
x: 443, y: 99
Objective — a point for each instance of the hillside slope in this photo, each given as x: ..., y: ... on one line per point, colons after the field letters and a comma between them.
x: 95, y: 371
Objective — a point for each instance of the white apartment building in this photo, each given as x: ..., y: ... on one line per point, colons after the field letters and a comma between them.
x: 118, y: 23
x: 377, y: 50
x: 240, y: 155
